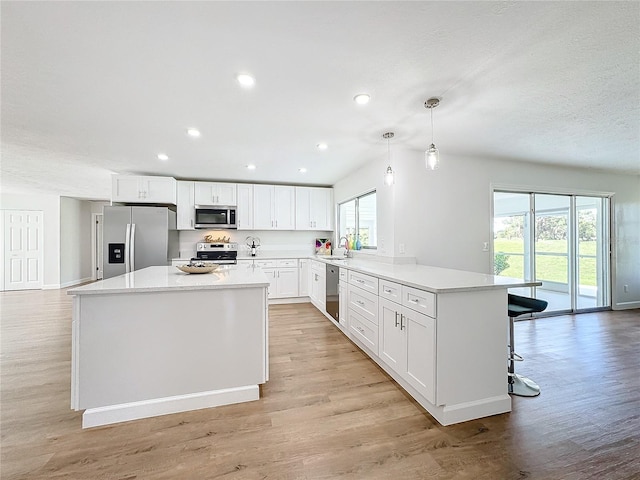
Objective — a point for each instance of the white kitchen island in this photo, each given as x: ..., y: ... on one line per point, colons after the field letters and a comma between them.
x: 159, y: 341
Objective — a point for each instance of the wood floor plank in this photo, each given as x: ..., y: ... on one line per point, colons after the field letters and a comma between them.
x: 328, y: 411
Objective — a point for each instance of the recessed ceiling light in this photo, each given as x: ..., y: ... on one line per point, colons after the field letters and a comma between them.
x: 163, y: 156
x: 251, y: 167
x: 322, y: 146
x: 193, y: 132
x: 246, y: 80
x: 302, y: 170
x: 362, y: 98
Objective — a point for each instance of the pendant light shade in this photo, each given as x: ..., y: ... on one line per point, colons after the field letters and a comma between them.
x: 432, y: 155
x: 388, y: 176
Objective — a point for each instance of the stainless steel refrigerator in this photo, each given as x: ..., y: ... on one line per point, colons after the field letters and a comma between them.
x: 138, y: 237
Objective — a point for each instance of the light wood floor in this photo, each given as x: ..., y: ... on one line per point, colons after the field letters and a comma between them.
x: 329, y: 412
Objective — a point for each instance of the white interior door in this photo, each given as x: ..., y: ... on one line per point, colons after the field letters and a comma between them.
x: 23, y: 249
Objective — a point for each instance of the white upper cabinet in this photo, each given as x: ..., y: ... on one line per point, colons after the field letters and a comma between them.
x: 273, y: 207
x: 314, y: 208
x: 244, y: 211
x: 143, y: 189
x: 185, y: 210
x: 212, y: 193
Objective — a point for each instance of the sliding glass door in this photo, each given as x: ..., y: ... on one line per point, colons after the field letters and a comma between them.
x: 559, y: 240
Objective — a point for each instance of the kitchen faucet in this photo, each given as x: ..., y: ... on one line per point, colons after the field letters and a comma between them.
x: 346, y: 245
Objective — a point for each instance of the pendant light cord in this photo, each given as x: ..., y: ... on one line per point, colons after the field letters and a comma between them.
x: 431, y: 125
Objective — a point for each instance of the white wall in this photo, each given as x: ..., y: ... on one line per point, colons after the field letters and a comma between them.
x: 443, y: 217
x: 75, y: 241
x: 50, y: 206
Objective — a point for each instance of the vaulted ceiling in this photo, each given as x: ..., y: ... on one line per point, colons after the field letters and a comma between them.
x: 95, y: 88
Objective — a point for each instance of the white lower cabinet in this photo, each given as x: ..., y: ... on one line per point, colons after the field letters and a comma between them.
x: 420, y: 369
x: 343, y: 305
x: 393, y: 337
x: 317, y: 285
x: 282, y: 275
x: 407, y: 337
x: 364, y: 331
x: 303, y: 277
x: 362, y: 310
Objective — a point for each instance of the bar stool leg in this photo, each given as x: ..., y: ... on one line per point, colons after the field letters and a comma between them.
x: 518, y: 384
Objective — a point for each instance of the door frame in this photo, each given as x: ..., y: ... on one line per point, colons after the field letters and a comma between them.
x: 96, y: 245
x: 608, y: 234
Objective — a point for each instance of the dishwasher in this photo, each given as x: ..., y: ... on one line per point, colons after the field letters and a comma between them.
x: 332, y: 297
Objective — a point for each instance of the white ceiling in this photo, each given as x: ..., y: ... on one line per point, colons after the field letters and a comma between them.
x: 94, y: 88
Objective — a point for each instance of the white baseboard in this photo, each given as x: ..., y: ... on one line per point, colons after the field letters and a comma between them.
x: 280, y: 301
x: 51, y: 286
x: 75, y: 282
x: 95, y: 417
x: 626, y: 306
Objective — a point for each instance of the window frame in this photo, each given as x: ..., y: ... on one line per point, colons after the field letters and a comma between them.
x: 357, y: 217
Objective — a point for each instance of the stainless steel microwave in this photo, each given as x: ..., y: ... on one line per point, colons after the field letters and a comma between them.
x: 215, y: 217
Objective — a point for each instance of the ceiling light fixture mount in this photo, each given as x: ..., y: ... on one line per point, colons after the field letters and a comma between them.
x: 246, y: 80
x: 362, y: 98
x: 432, y: 155
x: 388, y: 175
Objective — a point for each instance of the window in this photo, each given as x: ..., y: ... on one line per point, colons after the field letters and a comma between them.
x: 357, y: 220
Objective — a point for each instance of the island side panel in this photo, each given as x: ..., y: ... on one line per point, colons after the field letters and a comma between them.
x: 472, y: 333
x: 142, y: 346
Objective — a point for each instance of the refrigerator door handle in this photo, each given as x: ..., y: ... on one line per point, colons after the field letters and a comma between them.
x: 132, y: 248
x: 127, y: 247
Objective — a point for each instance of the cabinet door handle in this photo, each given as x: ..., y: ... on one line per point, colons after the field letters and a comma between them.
x: 401, y: 322
x: 359, y: 281
x: 396, y: 319
x: 360, y: 303
x: 386, y: 291
x: 415, y: 300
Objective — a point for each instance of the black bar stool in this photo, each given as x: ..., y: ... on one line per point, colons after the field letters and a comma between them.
x: 519, y: 385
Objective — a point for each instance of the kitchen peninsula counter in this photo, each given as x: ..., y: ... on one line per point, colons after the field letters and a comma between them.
x: 441, y: 334
x: 430, y: 279
x: 159, y: 341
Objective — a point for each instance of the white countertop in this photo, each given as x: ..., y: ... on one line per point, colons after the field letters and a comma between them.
x: 161, y: 279
x: 431, y: 279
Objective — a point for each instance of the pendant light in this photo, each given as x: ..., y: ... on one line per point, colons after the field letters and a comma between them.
x: 388, y: 176
x: 432, y: 156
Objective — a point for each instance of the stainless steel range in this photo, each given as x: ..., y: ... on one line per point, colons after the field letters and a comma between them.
x: 222, y: 253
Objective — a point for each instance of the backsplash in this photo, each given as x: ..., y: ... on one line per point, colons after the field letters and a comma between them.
x: 270, y: 241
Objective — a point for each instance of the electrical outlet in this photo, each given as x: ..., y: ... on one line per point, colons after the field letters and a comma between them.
x: 626, y: 289
x: 485, y: 246
x: 401, y: 248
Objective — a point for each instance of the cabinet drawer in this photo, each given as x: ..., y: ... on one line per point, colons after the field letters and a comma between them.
x: 363, y: 302
x: 366, y: 282
x: 391, y: 291
x: 364, y: 331
x: 317, y: 266
x: 287, y: 262
x: 419, y: 300
x: 266, y: 263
